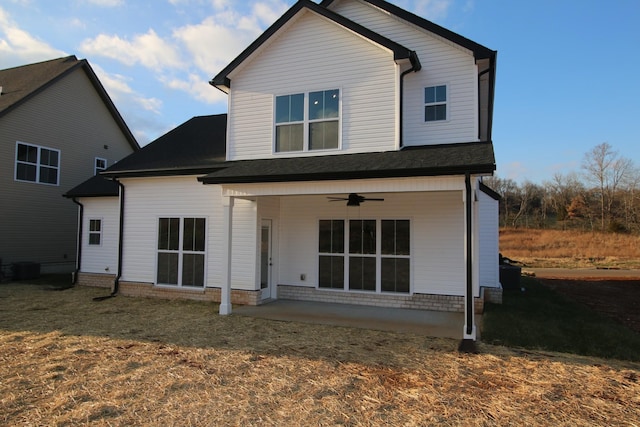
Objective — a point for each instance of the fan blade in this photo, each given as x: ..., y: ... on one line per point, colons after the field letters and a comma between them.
x: 376, y: 200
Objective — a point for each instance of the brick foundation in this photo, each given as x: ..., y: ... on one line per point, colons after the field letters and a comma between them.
x: 96, y: 280
x: 415, y: 301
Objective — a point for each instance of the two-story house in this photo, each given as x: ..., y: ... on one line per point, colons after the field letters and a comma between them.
x: 356, y: 140
x: 58, y: 127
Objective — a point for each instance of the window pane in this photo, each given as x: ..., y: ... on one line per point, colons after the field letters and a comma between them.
x: 395, y: 275
x: 289, y: 137
x: 441, y: 94
x: 94, y: 225
x: 331, y: 103
x: 323, y: 135
x: 169, y: 233
x: 26, y: 172
x: 290, y: 108
x: 429, y: 95
x: 94, y: 238
x: 441, y: 112
x: 27, y: 153
x: 193, y: 270
x: 48, y: 157
x: 323, y: 104
x: 435, y: 112
x: 362, y: 273
x: 316, y: 105
x: 403, y: 239
x: 48, y: 175
x: 188, y: 234
x: 168, y: 268
x: 388, y: 237
x: 331, y: 236
x: 200, y: 226
x: 362, y: 236
x: 331, y: 272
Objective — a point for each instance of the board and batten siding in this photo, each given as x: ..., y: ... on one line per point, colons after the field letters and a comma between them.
x: 488, y: 235
x: 437, y: 239
x: 148, y: 199
x: 102, y: 258
x: 443, y: 63
x: 36, y: 223
x: 315, y: 54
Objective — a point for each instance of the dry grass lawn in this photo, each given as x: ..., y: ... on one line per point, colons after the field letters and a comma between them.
x: 68, y: 360
x: 557, y: 248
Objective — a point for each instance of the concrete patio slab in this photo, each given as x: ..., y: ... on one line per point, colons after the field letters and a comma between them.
x: 429, y: 323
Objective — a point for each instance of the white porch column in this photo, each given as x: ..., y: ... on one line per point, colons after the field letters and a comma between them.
x: 469, y: 331
x: 225, y: 290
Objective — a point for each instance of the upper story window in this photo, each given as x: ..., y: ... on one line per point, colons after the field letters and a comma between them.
x: 307, y: 121
x: 99, y: 165
x: 435, y: 103
x: 95, y: 231
x: 37, y: 164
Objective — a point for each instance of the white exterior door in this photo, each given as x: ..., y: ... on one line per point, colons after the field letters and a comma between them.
x: 265, y: 258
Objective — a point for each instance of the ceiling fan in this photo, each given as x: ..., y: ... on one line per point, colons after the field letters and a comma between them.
x: 353, y: 199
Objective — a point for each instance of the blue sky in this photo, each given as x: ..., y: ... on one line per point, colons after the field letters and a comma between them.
x: 567, y: 75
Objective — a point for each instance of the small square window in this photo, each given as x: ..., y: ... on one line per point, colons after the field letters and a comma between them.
x: 95, y: 231
x: 100, y: 165
x: 435, y: 103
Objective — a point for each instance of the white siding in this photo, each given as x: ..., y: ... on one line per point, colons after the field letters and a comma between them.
x: 488, y: 238
x: 147, y: 199
x: 315, y: 54
x: 442, y: 63
x: 437, y: 246
x: 101, y: 258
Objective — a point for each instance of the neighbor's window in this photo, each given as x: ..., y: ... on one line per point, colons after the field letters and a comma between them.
x: 95, y: 231
x: 435, y: 103
x: 100, y: 165
x: 307, y: 121
x: 37, y: 164
x: 366, y: 255
x: 181, y: 251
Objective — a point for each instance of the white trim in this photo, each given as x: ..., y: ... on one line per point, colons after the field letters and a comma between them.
x: 37, y: 164
x: 95, y: 165
x: 90, y: 232
x: 306, y: 121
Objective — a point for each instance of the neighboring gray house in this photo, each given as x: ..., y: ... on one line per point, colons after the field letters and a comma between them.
x: 58, y: 127
x: 354, y: 149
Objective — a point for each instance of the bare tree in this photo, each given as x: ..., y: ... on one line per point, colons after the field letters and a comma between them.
x: 605, y: 169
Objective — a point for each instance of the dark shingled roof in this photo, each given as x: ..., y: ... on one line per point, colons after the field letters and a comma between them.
x: 19, y: 84
x: 96, y: 186
x: 194, y: 147
x: 431, y: 160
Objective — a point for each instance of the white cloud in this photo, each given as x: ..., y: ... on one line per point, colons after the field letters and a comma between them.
x: 148, y: 50
x: 120, y: 91
x: 17, y: 47
x: 432, y: 9
x: 197, y: 87
x: 106, y: 3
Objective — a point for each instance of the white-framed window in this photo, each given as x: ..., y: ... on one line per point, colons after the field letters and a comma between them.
x: 435, y: 103
x: 100, y: 164
x: 371, y: 255
x: 181, y: 251
x: 95, y: 231
x: 37, y: 164
x: 307, y: 121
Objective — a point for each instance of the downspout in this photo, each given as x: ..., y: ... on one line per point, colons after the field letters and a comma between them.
x: 415, y: 67
x: 79, y: 251
x: 116, y: 282
x: 467, y: 344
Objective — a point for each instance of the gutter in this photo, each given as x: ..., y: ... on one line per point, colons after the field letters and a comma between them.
x: 79, y: 251
x: 468, y: 342
x: 415, y: 67
x: 116, y: 282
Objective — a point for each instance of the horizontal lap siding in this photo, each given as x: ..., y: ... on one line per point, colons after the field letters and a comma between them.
x: 488, y: 237
x: 39, y: 224
x: 101, y: 258
x: 437, y: 236
x: 315, y: 54
x: 442, y: 63
x: 148, y: 199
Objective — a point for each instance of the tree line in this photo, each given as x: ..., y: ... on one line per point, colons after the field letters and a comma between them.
x: 603, y: 196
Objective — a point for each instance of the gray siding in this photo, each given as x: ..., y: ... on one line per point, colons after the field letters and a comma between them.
x: 36, y: 222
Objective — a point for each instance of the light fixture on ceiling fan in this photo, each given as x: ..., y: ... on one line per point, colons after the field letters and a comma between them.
x: 354, y: 199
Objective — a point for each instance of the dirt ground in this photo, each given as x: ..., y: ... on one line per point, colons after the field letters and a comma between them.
x: 616, y: 296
